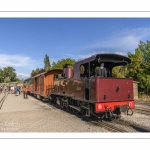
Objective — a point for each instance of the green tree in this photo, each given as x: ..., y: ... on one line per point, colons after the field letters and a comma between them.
x: 62, y: 62
x: 47, y: 65
x: 9, y: 74
x: 139, y: 69
x: 1, y: 75
x: 119, y: 72
x: 37, y: 71
x: 33, y: 73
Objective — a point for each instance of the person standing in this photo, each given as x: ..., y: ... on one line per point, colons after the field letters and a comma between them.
x: 5, y: 89
x: 16, y: 90
x: 25, y: 96
x: 102, y: 71
x: 19, y: 89
x: 12, y: 89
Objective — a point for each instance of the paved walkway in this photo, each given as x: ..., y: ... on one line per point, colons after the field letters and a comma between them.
x: 14, y: 103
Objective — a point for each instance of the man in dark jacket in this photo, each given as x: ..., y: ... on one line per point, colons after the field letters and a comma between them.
x: 102, y: 71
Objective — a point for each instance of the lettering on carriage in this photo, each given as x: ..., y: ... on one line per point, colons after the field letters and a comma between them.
x: 78, y: 88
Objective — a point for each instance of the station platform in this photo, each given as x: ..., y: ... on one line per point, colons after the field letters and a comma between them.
x: 14, y: 103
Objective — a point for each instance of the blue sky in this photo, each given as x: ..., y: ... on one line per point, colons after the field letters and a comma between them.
x: 24, y: 42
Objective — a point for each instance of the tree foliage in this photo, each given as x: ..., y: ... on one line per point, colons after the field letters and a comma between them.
x: 139, y: 69
x: 37, y: 71
x: 119, y: 72
x: 62, y: 62
x: 8, y: 74
x: 47, y: 65
x: 55, y: 65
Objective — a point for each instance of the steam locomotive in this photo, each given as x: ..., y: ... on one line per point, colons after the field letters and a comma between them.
x: 91, y: 95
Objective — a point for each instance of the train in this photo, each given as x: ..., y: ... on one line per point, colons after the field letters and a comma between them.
x: 92, y: 95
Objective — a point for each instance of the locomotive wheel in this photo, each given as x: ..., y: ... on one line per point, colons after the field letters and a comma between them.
x: 69, y: 109
x: 75, y: 111
x: 50, y: 99
x: 83, y: 112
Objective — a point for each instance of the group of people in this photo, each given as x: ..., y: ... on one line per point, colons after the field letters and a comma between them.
x: 10, y: 89
x: 17, y: 90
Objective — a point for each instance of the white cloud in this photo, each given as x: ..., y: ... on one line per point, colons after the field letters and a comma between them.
x: 20, y: 63
x: 22, y: 75
x: 16, y: 61
x: 84, y: 56
x: 121, y: 53
x: 126, y: 40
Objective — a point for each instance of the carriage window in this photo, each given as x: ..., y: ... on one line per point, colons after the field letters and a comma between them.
x: 57, y: 76
x: 84, y: 70
x: 119, y: 72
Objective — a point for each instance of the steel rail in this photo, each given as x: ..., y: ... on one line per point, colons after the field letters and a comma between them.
x: 142, y: 110
x: 108, y: 126
x: 142, y: 102
x: 137, y: 127
x: 121, y: 122
x: 3, y: 99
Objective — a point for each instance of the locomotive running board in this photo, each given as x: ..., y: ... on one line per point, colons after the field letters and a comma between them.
x: 77, y: 108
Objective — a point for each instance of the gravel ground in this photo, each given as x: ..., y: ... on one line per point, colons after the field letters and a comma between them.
x: 43, y: 117
x: 141, y: 120
x: 142, y: 103
x: 45, y: 121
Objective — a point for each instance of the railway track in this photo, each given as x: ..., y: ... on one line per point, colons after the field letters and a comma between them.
x: 108, y: 126
x: 142, y: 110
x: 135, y: 126
x: 142, y: 103
x: 122, y: 122
x: 119, y: 125
x: 3, y: 99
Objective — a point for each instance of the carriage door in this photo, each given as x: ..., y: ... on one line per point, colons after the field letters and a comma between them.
x: 42, y: 85
x: 35, y: 85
